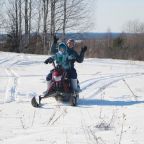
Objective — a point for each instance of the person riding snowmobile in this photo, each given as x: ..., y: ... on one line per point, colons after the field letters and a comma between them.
x: 74, y: 57
x: 66, y: 57
x: 61, y: 59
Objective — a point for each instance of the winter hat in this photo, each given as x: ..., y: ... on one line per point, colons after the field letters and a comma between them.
x: 70, y: 40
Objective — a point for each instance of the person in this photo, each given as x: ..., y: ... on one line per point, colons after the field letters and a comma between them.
x: 73, y: 56
x: 66, y: 57
x: 61, y: 59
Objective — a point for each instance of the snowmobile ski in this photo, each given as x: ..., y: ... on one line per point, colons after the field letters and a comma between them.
x: 35, y: 101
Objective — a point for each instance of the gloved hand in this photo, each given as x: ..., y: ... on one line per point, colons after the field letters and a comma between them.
x: 84, y: 49
x: 71, y: 57
x: 55, y: 39
x: 49, y: 60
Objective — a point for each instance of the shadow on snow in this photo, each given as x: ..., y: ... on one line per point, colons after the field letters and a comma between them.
x: 89, y: 102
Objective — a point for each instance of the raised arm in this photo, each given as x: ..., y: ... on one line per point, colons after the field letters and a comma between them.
x: 80, y: 57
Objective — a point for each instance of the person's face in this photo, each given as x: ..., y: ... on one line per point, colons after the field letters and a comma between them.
x: 70, y: 44
x: 62, y: 50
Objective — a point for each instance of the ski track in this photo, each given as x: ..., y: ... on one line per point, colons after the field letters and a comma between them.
x: 10, y: 94
x: 8, y: 63
x: 11, y: 90
x: 105, y: 81
x: 4, y: 61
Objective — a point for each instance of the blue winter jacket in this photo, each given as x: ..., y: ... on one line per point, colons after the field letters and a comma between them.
x: 76, y: 57
x: 68, y: 58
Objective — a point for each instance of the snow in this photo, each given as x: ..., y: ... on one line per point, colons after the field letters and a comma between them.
x: 110, y: 109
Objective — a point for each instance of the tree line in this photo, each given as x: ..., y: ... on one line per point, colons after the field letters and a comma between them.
x: 128, y: 44
x: 31, y: 24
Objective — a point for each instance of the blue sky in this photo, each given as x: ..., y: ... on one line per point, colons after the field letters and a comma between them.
x: 114, y: 14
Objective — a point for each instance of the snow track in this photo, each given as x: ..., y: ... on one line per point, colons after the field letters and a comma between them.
x: 100, y: 83
x: 11, y: 86
x: 11, y: 90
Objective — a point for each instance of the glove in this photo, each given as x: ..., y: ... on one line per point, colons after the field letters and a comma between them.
x: 49, y: 60
x: 84, y: 49
x: 55, y: 39
x: 71, y: 57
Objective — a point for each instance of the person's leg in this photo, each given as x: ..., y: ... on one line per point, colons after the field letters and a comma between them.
x: 48, y: 79
x: 74, y: 81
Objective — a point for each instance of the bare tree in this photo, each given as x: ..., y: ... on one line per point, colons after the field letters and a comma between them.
x: 64, y: 20
x: 75, y: 14
x: 70, y: 15
x: 20, y: 25
x: 67, y: 15
x: 1, y: 14
x: 26, y: 23
x: 30, y: 18
x: 52, y: 26
x: 45, y: 16
x: 13, y: 26
x: 39, y: 18
x: 38, y: 21
x: 134, y: 26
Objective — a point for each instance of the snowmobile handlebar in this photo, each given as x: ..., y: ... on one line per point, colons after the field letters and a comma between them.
x: 53, y: 63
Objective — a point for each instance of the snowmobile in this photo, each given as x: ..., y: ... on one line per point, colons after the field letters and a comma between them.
x: 60, y: 88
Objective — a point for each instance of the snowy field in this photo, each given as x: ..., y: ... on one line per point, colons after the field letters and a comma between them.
x: 110, y: 109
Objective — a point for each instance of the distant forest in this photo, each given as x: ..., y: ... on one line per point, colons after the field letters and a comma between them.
x: 100, y: 45
x: 120, y: 46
